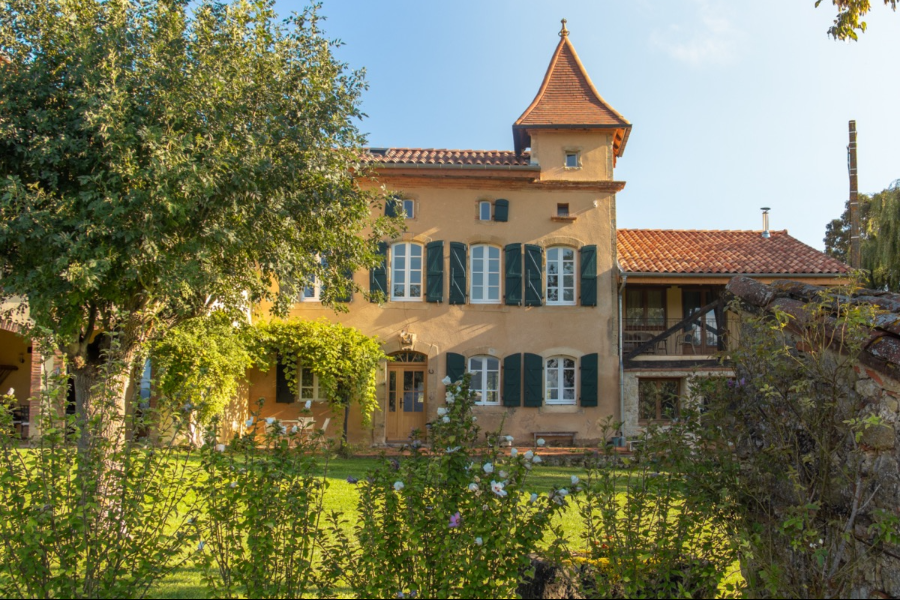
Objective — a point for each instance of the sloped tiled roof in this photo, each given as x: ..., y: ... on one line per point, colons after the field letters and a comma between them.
x: 567, y: 98
x: 720, y: 252
x: 432, y: 156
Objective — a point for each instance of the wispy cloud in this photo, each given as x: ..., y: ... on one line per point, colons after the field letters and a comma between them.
x: 708, y: 37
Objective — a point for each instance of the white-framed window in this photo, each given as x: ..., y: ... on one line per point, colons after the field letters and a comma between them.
x: 485, y: 279
x: 560, y: 276
x: 406, y: 272
x: 409, y: 208
x: 312, y: 291
x: 485, y: 371
x: 308, y: 384
x: 572, y: 161
x: 560, y: 380
x: 484, y: 210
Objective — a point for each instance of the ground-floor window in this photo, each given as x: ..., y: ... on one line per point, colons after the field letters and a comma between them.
x: 659, y: 399
x: 560, y: 383
x: 485, y: 372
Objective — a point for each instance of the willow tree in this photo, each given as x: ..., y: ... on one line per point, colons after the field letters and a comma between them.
x: 161, y: 156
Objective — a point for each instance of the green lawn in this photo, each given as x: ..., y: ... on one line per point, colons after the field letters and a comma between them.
x: 341, y: 496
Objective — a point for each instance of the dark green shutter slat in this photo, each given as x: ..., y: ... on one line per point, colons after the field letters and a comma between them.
x: 434, y: 258
x: 589, y: 370
x: 456, y: 366
x: 533, y: 380
x: 378, y: 275
x: 512, y: 380
x: 457, y: 273
x: 589, y: 276
x: 283, y: 393
x: 348, y: 274
x: 534, y: 268
x: 513, y: 287
x: 501, y: 210
x: 392, y: 207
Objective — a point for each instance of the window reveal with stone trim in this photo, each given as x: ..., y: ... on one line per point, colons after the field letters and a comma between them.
x: 658, y: 399
x: 560, y: 276
x: 560, y: 384
x: 485, y: 371
x: 406, y: 272
x: 485, y: 276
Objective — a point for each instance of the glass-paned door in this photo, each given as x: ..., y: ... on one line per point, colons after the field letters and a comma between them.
x: 406, y: 398
x: 701, y: 337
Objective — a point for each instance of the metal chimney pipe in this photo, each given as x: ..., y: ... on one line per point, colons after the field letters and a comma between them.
x: 765, y: 216
x: 854, y: 198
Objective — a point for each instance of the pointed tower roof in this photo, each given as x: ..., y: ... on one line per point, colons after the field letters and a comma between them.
x: 568, y: 100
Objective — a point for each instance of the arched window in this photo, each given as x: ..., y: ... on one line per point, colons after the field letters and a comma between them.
x: 406, y: 272
x: 560, y: 276
x: 560, y: 380
x: 485, y: 371
x: 485, y: 280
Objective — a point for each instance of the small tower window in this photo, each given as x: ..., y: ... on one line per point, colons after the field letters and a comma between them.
x: 562, y: 210
x: 484, y: 211
x: 409, y: 208
x: 572, y: 160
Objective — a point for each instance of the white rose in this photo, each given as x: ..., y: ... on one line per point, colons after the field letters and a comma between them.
x: 509, y: 439
x: 445, y: 419
x: 11, y: 392
x: 270, y: 420
x: 488, y: 468
x: 575, y: 479
x: 529, y: 455
x: 308, y: 404
x: 533, y: 498
x: 446, y: 380
x: 442, y: 411
x: 474, y: 419
x: 398, y: 485
x: 541, y: 442
x: 537, y: 460
x: 513, y: 452
x: 249, y: 422
x: 473, y: 487
x: 478, y: 541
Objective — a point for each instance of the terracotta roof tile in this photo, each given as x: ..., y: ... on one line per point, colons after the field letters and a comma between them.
x: 568, y: 98
x: 432, y: 156
x: 720, y: 252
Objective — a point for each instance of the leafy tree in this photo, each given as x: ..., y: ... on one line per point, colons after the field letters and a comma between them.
x: 847, y: 22
x: 158, y: 157
x: 879, y: 225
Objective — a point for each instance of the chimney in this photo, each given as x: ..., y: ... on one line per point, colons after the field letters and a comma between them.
x: 854, y: 199
x: 765, y: 232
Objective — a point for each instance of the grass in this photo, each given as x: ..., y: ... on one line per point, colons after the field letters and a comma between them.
x: 341, y: 496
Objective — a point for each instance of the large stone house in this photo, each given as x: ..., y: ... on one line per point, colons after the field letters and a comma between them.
x: 512, y: 269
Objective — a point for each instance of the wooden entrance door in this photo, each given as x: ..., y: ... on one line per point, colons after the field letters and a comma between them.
x: 406, y: 396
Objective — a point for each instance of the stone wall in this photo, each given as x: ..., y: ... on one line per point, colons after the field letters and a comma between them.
x: 878, y: 387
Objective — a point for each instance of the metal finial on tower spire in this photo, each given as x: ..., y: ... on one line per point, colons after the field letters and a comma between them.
x: 563, y: 32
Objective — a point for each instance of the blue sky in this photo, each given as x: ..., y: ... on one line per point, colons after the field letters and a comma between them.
x: 735, y: 105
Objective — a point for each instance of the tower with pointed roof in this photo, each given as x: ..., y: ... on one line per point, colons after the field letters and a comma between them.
x: 568, y: 115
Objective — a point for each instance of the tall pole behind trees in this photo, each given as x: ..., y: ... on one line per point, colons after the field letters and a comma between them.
x: 854, y: 199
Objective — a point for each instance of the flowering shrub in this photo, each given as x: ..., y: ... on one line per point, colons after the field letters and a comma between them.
x: 650, y: 531
x: 454, y: 522
x: 106, y: 518
x: 262, y: 502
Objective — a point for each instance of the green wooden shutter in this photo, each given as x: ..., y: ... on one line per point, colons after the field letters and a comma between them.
x: 589, y: 368
x: 378, y: 275
x: 283, y: 393
x: 501, y: 210
x: 348, y: 274
x: 434, y: 259
x: 589, y: 276
x: 534, y: 269
x: 456, y: 366
x: 513, y: 283
x: 533, y: 380
x: 512, y: 380
x: 457, y: 273
x: 393, y: 206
